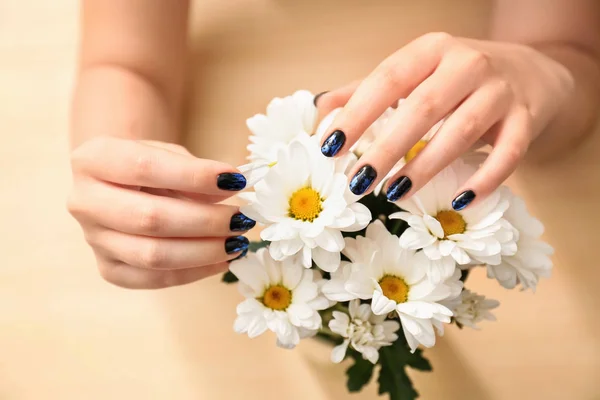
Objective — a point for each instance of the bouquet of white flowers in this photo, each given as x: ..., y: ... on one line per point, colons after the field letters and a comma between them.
x: 376, y: 279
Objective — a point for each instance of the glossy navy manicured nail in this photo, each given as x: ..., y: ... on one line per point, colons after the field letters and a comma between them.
x: 333, y: 144
x: 362, y: 180
x: 239, y: 222
x: 463, y: 200
x: 399, y: 188
x: 316, y: 99
x: 242, y: 254
x: 231, y: 181
x: 235, y: 244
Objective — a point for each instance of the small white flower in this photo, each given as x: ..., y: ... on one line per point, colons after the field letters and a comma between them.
x: 285, y: 119
x: 394, y: 279
x: 475, y: 233
x: 471, y: 308
x: 364, y: 331
x: 280, y: 296
x: 305, y: 202
x: 532, y: 258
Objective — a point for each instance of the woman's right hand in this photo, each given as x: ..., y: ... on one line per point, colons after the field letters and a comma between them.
x: 148, y: 211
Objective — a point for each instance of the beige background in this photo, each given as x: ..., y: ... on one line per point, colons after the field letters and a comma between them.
x: 65, y: 334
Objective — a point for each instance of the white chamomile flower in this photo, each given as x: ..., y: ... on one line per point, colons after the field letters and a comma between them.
x: 362, y: 330
x: 475, y: 234
x: 305, y: 203
x: 471, y: 308
x: 280, y: 296
x: 285, y: 119
x: 394, y: 279
x: 532, y: 258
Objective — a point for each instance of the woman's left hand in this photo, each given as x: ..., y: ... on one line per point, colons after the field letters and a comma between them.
x: 502, y: 93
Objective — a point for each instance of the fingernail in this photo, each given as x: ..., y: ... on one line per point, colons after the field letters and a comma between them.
x: 399, y: 188
x: 318, y: 96
x: 333, y: 144
x: 242, y: 254
x: 235, y: 244
x: 239, y: 222
x: 463, y: 200
x: 362, y: 180
x: 231, y: 181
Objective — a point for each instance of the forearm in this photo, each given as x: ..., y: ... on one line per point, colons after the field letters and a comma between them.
x: 578, y: 116
x: 568, y: 32
x: 131, y: 70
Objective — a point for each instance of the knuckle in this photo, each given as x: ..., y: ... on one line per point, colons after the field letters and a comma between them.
x: 390, y: 74
x: 143, y: 167
x: 81, y: 156
x: 151, y: 219
x: 477, y: 61
x: 471, y: 126
x: 514, y: 153
x: 427, y: 105
x: 153, y: 255
x: 75, y: 206
x: 437, y: 38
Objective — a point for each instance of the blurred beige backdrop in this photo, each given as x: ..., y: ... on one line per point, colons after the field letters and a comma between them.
x: 66, y: 334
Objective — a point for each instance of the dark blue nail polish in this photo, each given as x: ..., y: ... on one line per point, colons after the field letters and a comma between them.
x: 242, y: 255
x: 239, y: 222
x: 333, y: 143
x: 235, y: 244
x: 399, y: 188
x: 463, y: 200
x: 362, y: 180
x: 316, y: 99
x: 231, y: 181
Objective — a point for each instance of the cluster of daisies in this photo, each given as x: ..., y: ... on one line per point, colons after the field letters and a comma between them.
x: 333, y: 266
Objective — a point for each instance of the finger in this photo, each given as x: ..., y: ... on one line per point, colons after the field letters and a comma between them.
x: 128, y: 277
x: 166, y: 253
x: 455, y: 79
x: 141, y: 213
x: 329, y: 101
x: 461, y: 130
x: 393, y: 79
x: 134, y: 163
x: 509, y: 149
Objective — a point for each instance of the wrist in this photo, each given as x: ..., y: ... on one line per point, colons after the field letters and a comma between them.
x: 114, y: 101
x: 578, y: 115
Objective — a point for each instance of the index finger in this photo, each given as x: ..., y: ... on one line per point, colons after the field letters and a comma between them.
x: 134, y: 163
x: 392, y: 80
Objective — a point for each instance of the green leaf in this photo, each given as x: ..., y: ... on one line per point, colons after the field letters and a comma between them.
x: 393, y: 378
x: 254, y: 246
x: 359, y: 374
x: 229, y: 277
x: 417, y: 361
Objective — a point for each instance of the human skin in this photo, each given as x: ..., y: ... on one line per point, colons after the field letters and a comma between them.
x: 148, y: 207
x: 533, y: 90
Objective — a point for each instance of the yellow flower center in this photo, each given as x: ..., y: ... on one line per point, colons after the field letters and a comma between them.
x: 452, y: 222
x: 277, y: 298
x: 416, y: 149
x: 272, y: 164
x: 394, y: 288
x: 305, y: 204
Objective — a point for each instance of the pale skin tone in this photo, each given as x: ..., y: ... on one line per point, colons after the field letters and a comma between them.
x: 149, y: 208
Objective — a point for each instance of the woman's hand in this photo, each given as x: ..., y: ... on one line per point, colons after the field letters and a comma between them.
x: 502, y: 93
x: 147, y: 209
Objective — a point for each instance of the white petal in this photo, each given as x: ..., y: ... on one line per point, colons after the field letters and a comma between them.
x: 382, y: 305
x: 327, y: 261
x: 339, y: 352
